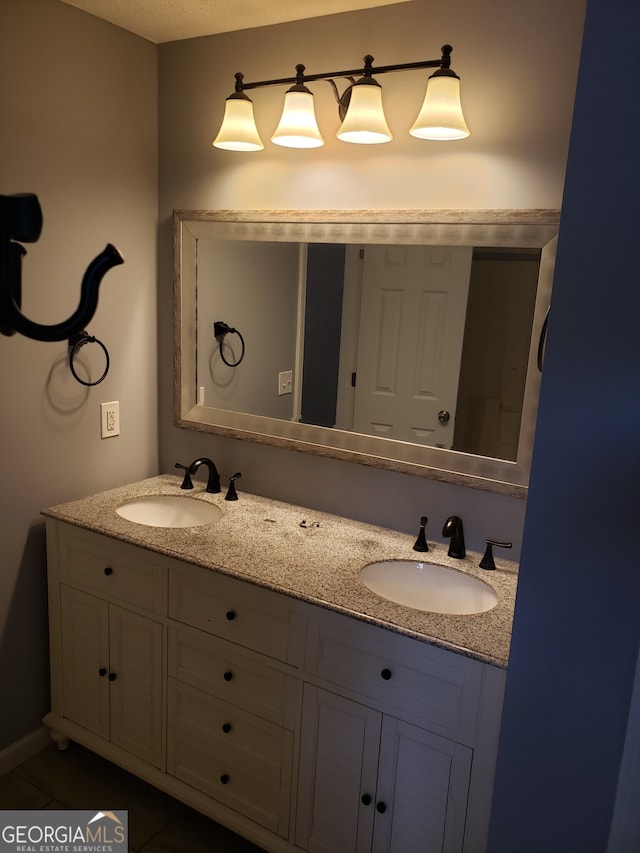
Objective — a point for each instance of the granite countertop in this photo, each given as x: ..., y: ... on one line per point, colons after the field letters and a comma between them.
x: 260, y: 540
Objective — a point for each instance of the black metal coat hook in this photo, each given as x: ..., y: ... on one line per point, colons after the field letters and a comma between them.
x: 21, y: 219
x: 220, y: 330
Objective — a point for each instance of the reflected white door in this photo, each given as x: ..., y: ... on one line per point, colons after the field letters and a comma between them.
x: 413, y: 308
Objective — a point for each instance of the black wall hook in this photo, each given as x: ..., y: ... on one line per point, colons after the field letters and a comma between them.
x: 21, y: 219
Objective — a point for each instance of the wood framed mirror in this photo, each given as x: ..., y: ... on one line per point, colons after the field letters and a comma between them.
x: 405, y: 340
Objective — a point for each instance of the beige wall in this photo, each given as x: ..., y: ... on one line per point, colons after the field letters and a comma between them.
x: 518, y: 63
x: 78, y: 104
x: 78, y: 99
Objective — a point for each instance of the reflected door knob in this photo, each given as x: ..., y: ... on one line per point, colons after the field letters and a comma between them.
x: 444, y: 416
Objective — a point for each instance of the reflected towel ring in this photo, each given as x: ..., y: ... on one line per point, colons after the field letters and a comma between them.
x: 76, y: 342
x: 543, y: 339
x: 220, y: 330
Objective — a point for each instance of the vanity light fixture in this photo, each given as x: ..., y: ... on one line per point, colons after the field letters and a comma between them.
x: 360, y: 108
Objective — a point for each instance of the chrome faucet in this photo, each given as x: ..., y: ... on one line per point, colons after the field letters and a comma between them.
x: 453, y: 529
x: 213, y: 483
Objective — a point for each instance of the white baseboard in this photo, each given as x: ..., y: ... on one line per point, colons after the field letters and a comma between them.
x: 25, y: 748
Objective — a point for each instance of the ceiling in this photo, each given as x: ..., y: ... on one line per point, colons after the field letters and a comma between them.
x: 171, y: 20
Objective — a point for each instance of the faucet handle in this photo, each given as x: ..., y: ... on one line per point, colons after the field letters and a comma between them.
x: 232, y: 495
x: 186, y: 483
x: 487, y: 561
x: 421, y: 541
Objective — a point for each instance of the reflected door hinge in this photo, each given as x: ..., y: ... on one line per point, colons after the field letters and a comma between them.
x: 353, y: 379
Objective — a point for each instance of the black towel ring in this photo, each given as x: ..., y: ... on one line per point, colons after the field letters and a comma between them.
x: 76, y: 342
x: 220, y: 330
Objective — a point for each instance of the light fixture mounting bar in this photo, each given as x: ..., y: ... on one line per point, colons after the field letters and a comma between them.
x: 444, y: 62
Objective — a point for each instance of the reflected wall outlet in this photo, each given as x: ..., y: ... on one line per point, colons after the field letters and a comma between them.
x: 285, y: 382
x: 109, y: 419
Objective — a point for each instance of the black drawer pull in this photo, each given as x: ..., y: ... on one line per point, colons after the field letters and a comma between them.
x: 224, y: 778
x: 228, y: 675
x: 381, y: 807
x: 112, y: 676
x: 386, y: 674
x: 102, y: 671
x: 231, y: 615
x: 108, y: 571
x: 226, y: 728
x: 366, y: 799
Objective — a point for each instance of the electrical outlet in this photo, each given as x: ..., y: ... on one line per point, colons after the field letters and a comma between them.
x: 285, y: 382
x: 109, y: 419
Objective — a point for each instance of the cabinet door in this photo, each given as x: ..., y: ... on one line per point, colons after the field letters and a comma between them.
x: 112, y: 673
x: 85, y: 660
x: 423, y: 786
x: 135, y: 670
x: 338, y: 769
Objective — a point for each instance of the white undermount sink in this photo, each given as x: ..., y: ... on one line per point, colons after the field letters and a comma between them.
x: 169, y: 511
x: 428, y: 586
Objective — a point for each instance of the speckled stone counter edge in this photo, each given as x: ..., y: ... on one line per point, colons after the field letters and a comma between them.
x: 261, y: 541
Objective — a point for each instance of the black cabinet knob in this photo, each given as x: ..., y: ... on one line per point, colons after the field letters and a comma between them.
x: 226, y: 728
x: 224, y: 778
x: 231, y: 615
x: 228, y: 675
x: 386, y: 674
x: 102, y: 671
x: 381, y: 807
x: 108, y: 570
x: 365, y: 799
x: 112, y: 676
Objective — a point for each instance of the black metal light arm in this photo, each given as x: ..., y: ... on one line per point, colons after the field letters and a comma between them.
x: 444, y: 63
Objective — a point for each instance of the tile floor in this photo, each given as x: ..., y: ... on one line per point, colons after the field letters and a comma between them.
x: 79, y: 779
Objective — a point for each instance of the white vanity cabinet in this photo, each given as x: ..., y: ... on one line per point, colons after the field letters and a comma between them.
x: 398, y: 744
x: 300, y: 728
x: 112, y: 673
x: 107, y: 641
x: 371, y: 782
x: 234, y: 697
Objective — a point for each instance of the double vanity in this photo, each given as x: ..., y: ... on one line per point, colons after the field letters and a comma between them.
x: 248, y: 658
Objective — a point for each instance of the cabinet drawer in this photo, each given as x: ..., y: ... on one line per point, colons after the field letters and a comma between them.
x: 112, y: 570
x: 249, y: 768
x: 405, y: 677
x: 240, y: 736
x: 236, y: 676
x: 240, y: 612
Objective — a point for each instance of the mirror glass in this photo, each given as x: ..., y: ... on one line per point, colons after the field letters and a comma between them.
x: 406, y: 340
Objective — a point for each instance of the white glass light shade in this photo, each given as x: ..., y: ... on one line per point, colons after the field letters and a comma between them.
x: 365, y: 122
x: 298, y: 127
x: 441, y: 115
x: 238, y: 131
